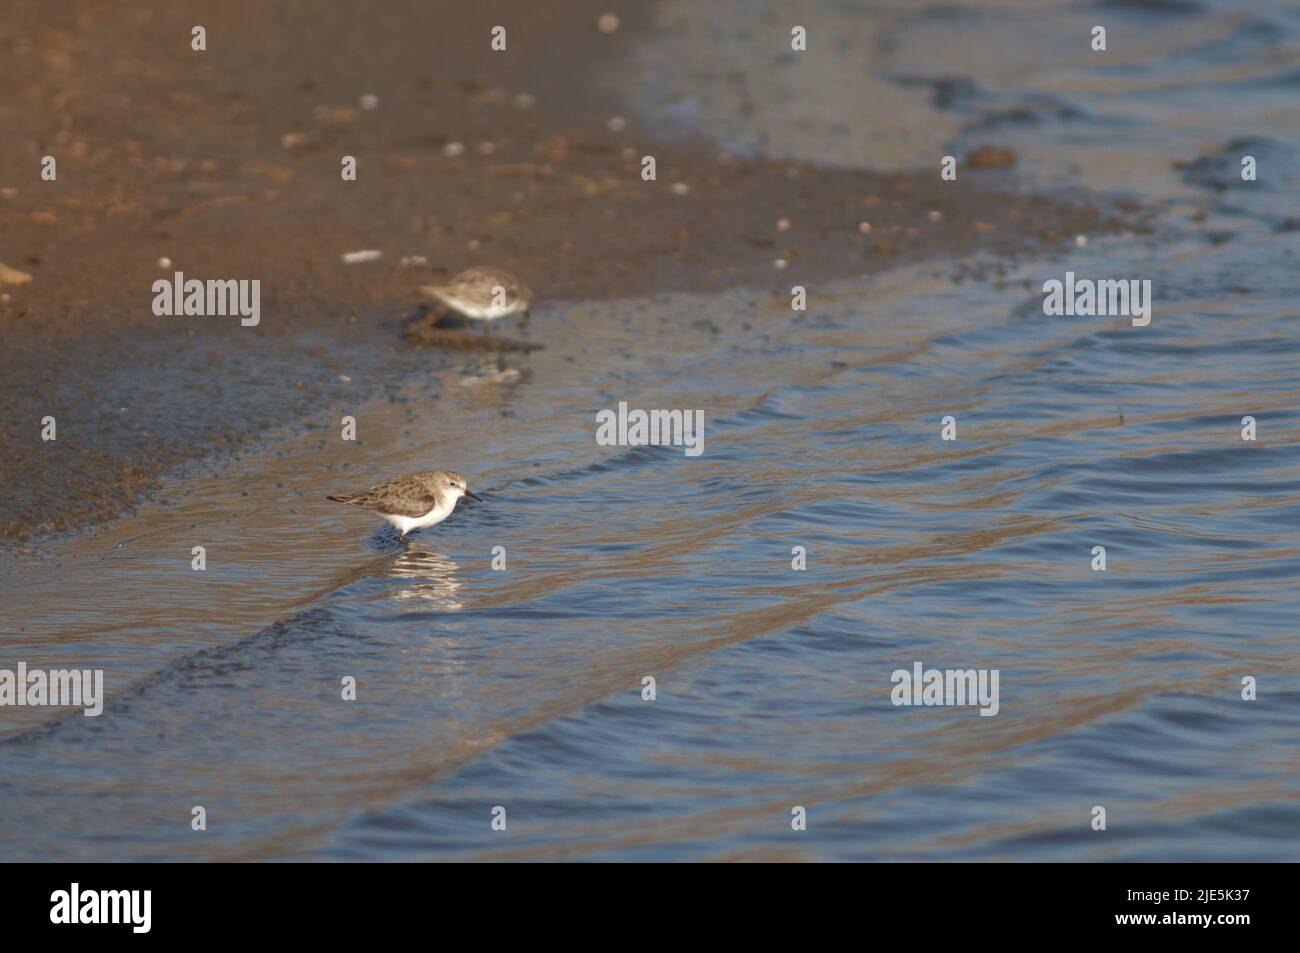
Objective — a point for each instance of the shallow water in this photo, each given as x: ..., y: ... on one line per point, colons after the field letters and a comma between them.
x: 522, y: 688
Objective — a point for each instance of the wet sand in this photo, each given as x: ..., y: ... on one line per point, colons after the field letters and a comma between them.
x: 227, y: 162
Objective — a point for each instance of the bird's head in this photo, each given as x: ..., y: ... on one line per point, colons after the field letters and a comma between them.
x: 455, y: 484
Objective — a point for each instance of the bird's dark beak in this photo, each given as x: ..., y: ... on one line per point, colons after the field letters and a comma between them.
x: 474, y: 496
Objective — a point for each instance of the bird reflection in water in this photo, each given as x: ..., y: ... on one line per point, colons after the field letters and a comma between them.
x: 433, y: 582
x: 485, y: 373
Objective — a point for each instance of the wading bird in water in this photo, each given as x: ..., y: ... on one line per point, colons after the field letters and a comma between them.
x: 413, y: 500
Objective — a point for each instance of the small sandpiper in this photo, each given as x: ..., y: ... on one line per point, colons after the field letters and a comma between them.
x: 413, y: 500
x: 483, y: 294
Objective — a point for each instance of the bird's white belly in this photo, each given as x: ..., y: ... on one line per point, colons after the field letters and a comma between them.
x: 405, y: 524
x: 481, y: 312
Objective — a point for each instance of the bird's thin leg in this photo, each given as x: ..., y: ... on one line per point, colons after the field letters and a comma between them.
x: 501, y: 359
